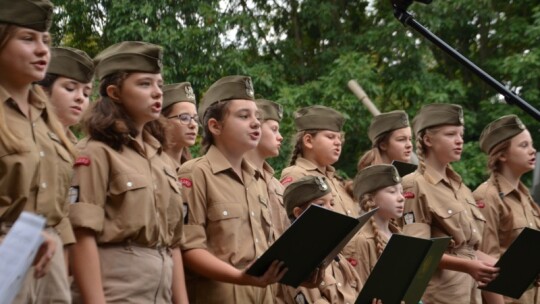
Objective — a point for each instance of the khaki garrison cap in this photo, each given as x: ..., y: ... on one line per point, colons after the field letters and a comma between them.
x: 373, y: 178
x: 269, y: 110
x: 500, y: 130
x: 129, y: 56
x: 226, y: 88
x: 386, y: 122
x: 303, y: 191
x: 437, y: 114
x: 318, y: 118
x: 32, y: 14
x: 177, y: 92
x: 71, y: 63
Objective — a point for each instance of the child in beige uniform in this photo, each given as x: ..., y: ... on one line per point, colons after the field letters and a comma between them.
x: 68, y: 84
x: 439, y: 204
x: 225, y: 224
x: 503, y: 199
x: 318, y: 146
x: 269, y: 145
x: 181, y: 120
x: 341, y: 283
x: 126, y: 201
x: 36, y: 158
x: 391, y: 139
x: 375, y: 186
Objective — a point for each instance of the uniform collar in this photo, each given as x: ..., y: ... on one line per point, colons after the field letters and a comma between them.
x: 218, y: 163
x: 434, y: 177
x: 505, y: 187
x: 36, y: 97
x: 153, y: 146
x: 71, y: 137
x: 309, y: 166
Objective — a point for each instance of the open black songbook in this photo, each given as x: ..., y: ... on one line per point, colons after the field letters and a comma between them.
x: 404, y: 168
x: 313, y: 240
x: 403, y: 270
x: 519, y: 265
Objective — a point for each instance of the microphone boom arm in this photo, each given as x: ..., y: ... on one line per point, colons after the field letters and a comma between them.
x: 401, y: 14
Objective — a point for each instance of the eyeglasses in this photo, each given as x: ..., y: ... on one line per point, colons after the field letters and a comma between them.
x: 185, y: 118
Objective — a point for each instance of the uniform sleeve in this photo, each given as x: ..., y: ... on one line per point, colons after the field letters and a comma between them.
x: 89, y: 188
x: 489, y: 206
x: 65, y: 231
x: 417, y: 214
x: 290, y: 174
x: 194, y: 194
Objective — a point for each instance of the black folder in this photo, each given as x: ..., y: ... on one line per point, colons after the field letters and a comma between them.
x: 403, y: 270
x: 313, y: 240
x: 404, y: 168
x: 519, y: 265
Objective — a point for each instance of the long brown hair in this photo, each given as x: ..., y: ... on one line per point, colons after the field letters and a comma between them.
x: 374, y: 155
x: 11, y: 141
x: 298, y: 142
x: 108, y: 122
x: 218, y: 111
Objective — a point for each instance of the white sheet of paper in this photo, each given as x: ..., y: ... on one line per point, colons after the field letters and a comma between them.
x: 17, y: 252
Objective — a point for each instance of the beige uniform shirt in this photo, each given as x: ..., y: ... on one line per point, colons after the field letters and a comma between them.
x: 128, y: 196
x: 344, y: 204
x: 341, y: 285
x: 362, y: 253
x: 37, y: 179
x: 228, y: 216
x: 435, y: 208
x: 278, y: 215
x: 505, y: 219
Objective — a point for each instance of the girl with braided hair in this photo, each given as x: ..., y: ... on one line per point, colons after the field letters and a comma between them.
x: 438, y: 204
x: 503, y: 199
x: 317, y: 147
x: 375, y: 186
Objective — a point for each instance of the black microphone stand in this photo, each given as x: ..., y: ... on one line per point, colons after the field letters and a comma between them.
x: 400, y: 12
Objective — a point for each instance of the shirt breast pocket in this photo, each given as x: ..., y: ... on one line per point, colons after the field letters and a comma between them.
x: 128, y: 182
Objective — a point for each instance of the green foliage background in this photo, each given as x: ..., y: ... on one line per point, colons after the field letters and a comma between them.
x: 304, y: 52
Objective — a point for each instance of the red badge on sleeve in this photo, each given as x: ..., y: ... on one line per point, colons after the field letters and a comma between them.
x: 186, y: 182
x: 82, y: 161
x: 408, y: 194
x: 352, y: 261
x: 480, y: 204
x: 286, y: 180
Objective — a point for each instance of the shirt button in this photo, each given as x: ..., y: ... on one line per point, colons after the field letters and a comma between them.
x: 339, y: 284
x: 225, y: 213
x: 41, y: 153
x: 348, y: 211
x: 474, y: 230
x: 34, y: 124
x: 129, y: 184
x: 531, y: 224
x: 44, y: 185
x: 322, y: 283
x: 252, y: 213
x: 256, y: 240
x: 450, y: 211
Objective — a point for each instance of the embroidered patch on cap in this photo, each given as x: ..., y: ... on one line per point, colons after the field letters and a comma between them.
x: 287, y: 180
x: 300, y: 298
x: 73, y: 194
x: 186, y: 182
x: 185, y: 210
x: 480, y: 204
x: 82, y: 161
x: 409, y: 218
x: 408, y: 194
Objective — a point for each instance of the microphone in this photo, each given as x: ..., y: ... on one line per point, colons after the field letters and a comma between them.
x: 404, y: 4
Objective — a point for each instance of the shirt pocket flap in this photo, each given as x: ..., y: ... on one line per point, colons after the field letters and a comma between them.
x: 221, y: 211
x: 446, y: 211
x: 128, y: 182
